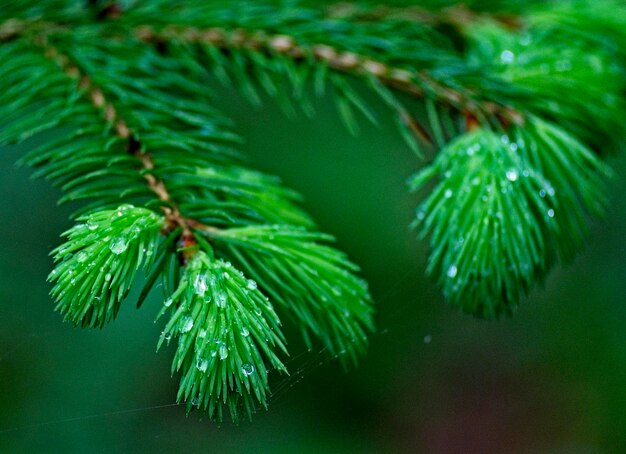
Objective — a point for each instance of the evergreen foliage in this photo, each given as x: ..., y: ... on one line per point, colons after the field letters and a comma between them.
x: 519, y: 102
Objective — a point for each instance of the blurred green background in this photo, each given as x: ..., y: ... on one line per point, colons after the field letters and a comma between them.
x: 550, y: 380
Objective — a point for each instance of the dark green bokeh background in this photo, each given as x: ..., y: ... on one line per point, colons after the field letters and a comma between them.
x: 550, y: 380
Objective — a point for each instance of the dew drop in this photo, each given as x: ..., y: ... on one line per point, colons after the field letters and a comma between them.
x: 448, y: 193
x: 118, y: 245
x: 107, y: 277
x: 473, y: 149
x: 512, y: 175
x: 81, y: 256
x: 245, y: 332
x: 421, y: 214
x: 166, y: 336
x: 223, y: 352
x: 551, y: 213
x: 202, y: 364
x: 200, y: 285
x: 220, y: 300
x: 507, y: 57
x: 251, y: 284
x: 195, y: 401
x: 452, y: 271
x: 187, y: 324
x: 428, y: 339
x: 247, y: 369
x: 92, y: 227
x: 202, y: 334
x: 525, y: 39
x: 168, y: 302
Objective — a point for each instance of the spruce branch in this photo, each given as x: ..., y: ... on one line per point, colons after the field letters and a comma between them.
x: 516, y: 105
x: 262, y: 48
x: 227, y: 335
x: 172, y: 152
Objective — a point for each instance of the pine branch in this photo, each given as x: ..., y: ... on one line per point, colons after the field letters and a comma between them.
x: 519, y: 101
x: 122, y: 148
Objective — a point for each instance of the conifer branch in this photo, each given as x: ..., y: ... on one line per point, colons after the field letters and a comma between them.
x: 415, y: 83
x: 519, y: 108
x: 121, y: 129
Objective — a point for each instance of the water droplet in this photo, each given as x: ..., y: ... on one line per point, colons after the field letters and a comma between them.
x: 202, y: 364
x: 107, y: 277
x: 187, y: 324
x: 542, y: 193
x: 448, y: 193
x: 337, y: 290
x: 525, y: 39
x: 92, y: 227
x: 166, y: 336
x: 245, y: 332
x: 202, y: 334
x: 452, y: 271
x: 428, y: 339
x: 473, y: 149
x: 251, y: 284
x: 223, y: 352
x: 81, y: 256
x: 421, y: 214
x: 200, y: 285
x: 247, y: 369
x: 507, y: 57
x: 168, y: 302
x: 513, y: 146
x: 551, y: 213
x: 195, y: 401
x: 220, y: 300
x: 512, y: 175
x: 118, y: 245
